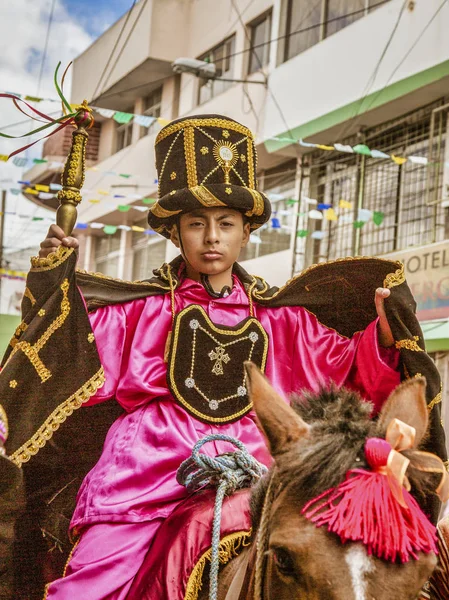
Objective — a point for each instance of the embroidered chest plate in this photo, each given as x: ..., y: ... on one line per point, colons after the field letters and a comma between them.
x: 205, y: 364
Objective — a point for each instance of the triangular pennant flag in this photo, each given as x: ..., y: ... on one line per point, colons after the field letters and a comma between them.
x: 14, y: 191
x: 3, y: 157
x: 81, y: 226
x: 255, y: 239
x: 323, y: 206
x: 359, y: 224
x: 137, y: 228
x: 42, y: 188
x: 125, y: 227
x: 378, y: 217
x: 323, y: 147
x: 419, y: 160
x: 344, y: 148
x: 94, y: 201
x: 18, y: 161
x: 140, y: 208
x: 103, y: 192
x: 345, y: 204
x: 40, y: 161
x: 302, y: 233
x: 46, y: 196
x: 364, y: 214
x: 105, y: 112
x: 55, y: 187
x: 150, y: 232
x: 125, y: 175
x: 309, y: 200
x: 31, y: 191
x: 318, y: 235
x: 399, y: 160
x: 123, y: 207
x: 331, y: 215
x: 144, y: 121
x: 315, y: 214
x: 307, y: 144
x: 110, y: 229
x: 379, y: 154
x: 162, y: 121
x: 122, y: 117
x: 149, y: 200
x: 362, y: 149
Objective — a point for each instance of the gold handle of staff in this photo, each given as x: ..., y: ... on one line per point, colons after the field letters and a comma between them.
x: 74, y: 170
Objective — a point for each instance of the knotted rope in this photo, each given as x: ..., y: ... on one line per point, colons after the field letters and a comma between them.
x: 227, y: 472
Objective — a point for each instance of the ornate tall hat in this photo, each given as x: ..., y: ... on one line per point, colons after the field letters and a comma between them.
x: 206, y: 161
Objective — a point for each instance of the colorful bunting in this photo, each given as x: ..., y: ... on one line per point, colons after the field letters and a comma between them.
x: 331, y: 215
x: 378, y: 217
x: 315, y: 214
x: 345, y: 204
x: 110, y: 229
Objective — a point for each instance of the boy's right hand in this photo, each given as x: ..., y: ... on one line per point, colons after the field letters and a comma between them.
x: 55, y: 238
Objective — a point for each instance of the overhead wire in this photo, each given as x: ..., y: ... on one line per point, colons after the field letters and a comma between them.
x: 128, y: 14
x: 44, y: 54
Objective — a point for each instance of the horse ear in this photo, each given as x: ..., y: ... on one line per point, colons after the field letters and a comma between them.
x: 277, y: 420
x: 408, y: 403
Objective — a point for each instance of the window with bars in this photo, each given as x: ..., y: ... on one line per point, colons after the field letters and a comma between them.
x: 152, y: 108
x: 308, y: 23
x: 148, y: 253
x: 222, y: 57
x: 107, y: 250
x: 259, y: 51
x: 398, y: 192
x: 279, y: 185
x: 124, y: 133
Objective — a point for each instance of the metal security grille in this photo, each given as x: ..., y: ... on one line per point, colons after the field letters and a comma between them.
x: 408, y: 194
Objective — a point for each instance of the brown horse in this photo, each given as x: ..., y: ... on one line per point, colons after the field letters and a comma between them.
x: 314, y: 444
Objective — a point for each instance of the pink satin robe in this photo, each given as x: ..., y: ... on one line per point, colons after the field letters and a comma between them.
x: 135, y: 477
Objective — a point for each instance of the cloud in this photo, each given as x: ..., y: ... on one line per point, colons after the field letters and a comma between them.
x: 24, y: 30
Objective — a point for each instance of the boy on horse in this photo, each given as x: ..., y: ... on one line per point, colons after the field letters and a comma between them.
x: 173, y: 349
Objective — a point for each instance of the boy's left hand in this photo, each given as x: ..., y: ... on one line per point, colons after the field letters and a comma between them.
x: 386, y: 338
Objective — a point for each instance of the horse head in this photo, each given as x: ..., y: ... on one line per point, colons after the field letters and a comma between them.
x: 325, y: 447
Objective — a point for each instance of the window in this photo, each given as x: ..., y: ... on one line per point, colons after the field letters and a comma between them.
x: 341, y: 13
x: 275, y: 236
x: 310, y: 22
x: 107, y: 250
x: 222, y: 57
x: 259, y: 54
x: 151, y: 108
x: 124, y: 133
x: 302, y: 15
x: 148, y: 253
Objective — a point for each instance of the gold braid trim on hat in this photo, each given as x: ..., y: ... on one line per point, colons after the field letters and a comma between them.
x: 189, y: 149
x: 438, y: 398
x: 223, y: 123
x: 162, y: 213
x: 258, y: 207
x: 205, y: 197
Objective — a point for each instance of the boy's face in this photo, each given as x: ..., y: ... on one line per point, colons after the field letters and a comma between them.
x: 211, y: 238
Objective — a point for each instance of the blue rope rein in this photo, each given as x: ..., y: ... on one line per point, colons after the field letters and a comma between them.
x: 227, y: 472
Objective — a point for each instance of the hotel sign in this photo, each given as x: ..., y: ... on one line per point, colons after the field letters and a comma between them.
x: 427, y: 274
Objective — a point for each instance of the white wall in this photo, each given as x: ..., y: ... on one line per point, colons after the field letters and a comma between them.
x: 336, y: 71
x: 275, y: 268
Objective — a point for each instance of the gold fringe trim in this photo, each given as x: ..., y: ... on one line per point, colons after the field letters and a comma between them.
x: 52, y: 261
x: 436, y: 400
x: 57, y: 417
x: 396, y: 278
x: 229, y: 548
x: 409, y: 344
x: 207, y: 122
x: 27, y: 294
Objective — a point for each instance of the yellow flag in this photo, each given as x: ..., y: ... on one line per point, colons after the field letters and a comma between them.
x: 137, y: 228
x: 3, y: 157
x: 322, y: 147
x: 31, y: 191
x: 103, y: 192
x: 42, y: 188
x: 94, y: 201
x: 345, y: 204
x: 162, y: 121
x: 330, y: 215
x: 399, y: 160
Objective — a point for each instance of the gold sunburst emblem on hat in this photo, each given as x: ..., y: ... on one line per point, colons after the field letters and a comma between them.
x: 226, y: 155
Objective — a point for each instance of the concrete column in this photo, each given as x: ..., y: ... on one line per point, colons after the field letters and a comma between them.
x: 87, y: 253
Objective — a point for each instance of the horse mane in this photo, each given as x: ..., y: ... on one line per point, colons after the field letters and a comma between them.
x: 341, y: 422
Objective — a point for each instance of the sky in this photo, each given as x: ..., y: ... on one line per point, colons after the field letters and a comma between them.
x: 75, y: 25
